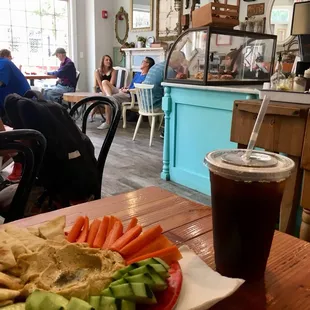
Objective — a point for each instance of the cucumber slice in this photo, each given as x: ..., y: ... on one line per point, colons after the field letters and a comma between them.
x: 107, y: 292
x: 118, y: 282
x: 147, y: 261
x: 120, y: 273
x: 137, y: 292
x: 141, y: 278
x: 160, y: 284
x: 162, y: 262
x: 142, y: 269
x: 45, y: 300
x: 77, y: 304
x: 128, y: 305
x: 109, y: 303
x: 94, y: 301
x: 161, y: 270
x: 143, y: 293
x: 117, y: 275
x: 18, y: 306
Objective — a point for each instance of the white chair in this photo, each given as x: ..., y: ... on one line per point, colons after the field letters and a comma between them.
x: 122, y: 76
x: 132, y: 105
x: 144, y: 94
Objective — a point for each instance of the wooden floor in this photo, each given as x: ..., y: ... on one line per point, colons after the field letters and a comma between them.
x: 133, y: 164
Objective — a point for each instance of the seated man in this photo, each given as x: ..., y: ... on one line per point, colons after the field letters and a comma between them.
x: 123, y: 94
x: 156, y: 76
x: 12, y: 81
x: 66, y: 75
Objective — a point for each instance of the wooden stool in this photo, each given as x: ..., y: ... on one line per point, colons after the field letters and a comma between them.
x: 282, y: 131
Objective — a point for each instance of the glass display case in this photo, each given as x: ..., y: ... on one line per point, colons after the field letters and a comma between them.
x: 218, y: 56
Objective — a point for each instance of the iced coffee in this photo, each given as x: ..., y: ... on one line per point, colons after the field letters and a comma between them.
x: 246, y: 197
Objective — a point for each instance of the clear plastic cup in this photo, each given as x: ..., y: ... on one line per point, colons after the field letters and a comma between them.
x: 246, y: 198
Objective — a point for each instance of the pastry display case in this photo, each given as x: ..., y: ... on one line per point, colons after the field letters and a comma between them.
x: 218, y: 56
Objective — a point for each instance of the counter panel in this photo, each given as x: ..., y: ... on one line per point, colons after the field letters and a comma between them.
x: 199, y: 122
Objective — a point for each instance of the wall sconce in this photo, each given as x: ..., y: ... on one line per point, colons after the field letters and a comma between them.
x: 177, y: 5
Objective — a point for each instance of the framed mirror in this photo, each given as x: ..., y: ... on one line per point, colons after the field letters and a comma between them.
x: 141, y: 15
x: 168, y: 21
x: 121, y: 26
x: 279, y: 20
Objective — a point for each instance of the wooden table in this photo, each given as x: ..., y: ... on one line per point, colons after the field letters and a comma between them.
x: 287, y: 279
x: 33, y: 77
x: 77, y: 96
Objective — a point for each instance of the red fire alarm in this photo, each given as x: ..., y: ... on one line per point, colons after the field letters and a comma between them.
x: 104, y: 14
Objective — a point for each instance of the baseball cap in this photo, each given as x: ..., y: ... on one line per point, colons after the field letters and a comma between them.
x: 59, y: 50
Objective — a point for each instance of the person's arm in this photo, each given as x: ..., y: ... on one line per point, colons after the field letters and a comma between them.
x: 98, y: 80
x: 113, y: 77
x: 62, y: 71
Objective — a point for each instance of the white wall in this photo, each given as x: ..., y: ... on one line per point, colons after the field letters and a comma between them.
x: 132, y: 35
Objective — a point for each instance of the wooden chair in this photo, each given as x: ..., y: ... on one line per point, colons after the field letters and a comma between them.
x: 12, y: 204
x: 132, y: 106
x: 95, y: 102
x: 145, y: 102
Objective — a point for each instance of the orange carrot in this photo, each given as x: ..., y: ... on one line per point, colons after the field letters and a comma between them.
x: 157, y: 244
x: 133, y: 223
x: 76, y: 229
x: 94, y: 227
x: 114, y: 234
x: 169, y: 255
x: 113, y: 219
x: 141, y: 241
x: 102, y: 232
x: 83, y: 236
x: 128, y: 236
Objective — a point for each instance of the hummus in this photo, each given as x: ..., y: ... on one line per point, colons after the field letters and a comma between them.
x: 68, y: 269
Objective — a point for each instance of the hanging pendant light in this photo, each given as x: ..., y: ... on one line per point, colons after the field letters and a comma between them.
x: 177, y: 5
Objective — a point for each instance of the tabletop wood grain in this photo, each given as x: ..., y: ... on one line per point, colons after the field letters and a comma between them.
x: 39, y: 76
x: 77, y: 96
x: 287, y: 278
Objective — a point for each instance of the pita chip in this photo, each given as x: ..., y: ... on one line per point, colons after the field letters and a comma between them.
x: 29, y: 240
x: 54, y: 229
x: 16, y: 246
x: 6, y: 294
x: 7, y: 259
x: 10, y: 282
x: 34, y: 230
x: 6, y: 303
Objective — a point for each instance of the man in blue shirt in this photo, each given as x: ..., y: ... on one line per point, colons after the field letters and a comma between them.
x: 11, y: 80
x: 156, y: 76
x: 66, y: 75
x: 123, y: 94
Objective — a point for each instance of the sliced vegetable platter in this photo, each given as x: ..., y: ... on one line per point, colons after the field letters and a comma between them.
x: 149, y: 276
x: 145, y: 252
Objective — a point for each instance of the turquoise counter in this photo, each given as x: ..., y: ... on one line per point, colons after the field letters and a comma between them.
x: 197, y: 121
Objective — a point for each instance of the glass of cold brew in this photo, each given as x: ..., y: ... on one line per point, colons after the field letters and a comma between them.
x: 246, y: 197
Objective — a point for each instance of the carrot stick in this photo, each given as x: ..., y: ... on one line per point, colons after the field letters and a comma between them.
x: 141, y: 241
x: 157, y: 244
x: 128, y: 236
x: 114, y: 234
x: 113, y: 219
x: 76, y: 229
x: 102, y: 232
x: 83, y: 236
x: 133, y: 223
x: 94, y: 227
x: 169, y: 255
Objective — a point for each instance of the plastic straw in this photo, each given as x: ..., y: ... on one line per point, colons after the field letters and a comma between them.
x: 258, y: 123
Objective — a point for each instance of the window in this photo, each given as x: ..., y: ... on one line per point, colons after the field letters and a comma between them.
x: 32, y: 30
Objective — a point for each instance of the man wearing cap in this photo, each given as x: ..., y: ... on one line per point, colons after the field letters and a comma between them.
x: 66, y: 75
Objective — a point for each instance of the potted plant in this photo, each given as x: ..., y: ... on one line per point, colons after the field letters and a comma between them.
x: 141, y: 42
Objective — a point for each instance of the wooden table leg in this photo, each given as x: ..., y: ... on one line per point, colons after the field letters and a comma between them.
x: 291, y: 199
x: 305, y: 203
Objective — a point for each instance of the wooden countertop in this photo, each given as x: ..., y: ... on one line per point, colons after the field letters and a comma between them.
x: 287, y: 279
x: 251, y: 90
